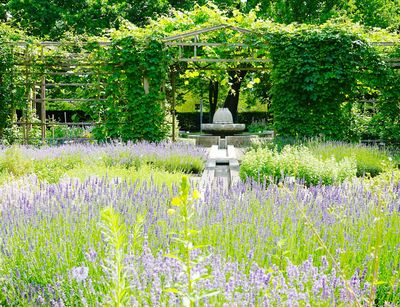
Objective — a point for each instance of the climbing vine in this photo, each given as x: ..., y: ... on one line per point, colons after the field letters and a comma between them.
x: 317, y: 81
x: 135, y: 73
x: 317, y: 72
x: 386, y: 122
x: 6, y: 102
x: 10, y: 95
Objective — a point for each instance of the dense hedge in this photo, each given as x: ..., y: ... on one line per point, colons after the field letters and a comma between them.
x: 190, y: 121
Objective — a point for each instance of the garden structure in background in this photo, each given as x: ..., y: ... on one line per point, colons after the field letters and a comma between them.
x: 39, y: 75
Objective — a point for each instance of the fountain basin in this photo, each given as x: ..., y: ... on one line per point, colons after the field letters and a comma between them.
x: 225, y: 129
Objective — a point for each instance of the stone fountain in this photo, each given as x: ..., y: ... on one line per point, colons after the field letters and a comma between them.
x: 222, y: 124
x: 223, y: 132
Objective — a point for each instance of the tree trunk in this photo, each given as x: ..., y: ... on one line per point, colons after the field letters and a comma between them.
x: 232, y: 99
x: 213, y: 97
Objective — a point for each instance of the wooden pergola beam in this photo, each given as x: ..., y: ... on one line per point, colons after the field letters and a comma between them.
x: 205, y: 30
x: 206, y: 60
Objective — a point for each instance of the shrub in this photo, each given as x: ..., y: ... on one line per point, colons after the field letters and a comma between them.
x: 170, y: 163
x: 14, y: 163
x: 298, y: 162
x: 370, y: 160
x: 52, y: 170
x: 129, y: 113
x: 184, y: 164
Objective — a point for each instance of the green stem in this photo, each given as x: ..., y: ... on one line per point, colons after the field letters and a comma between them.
x: 188, y: 262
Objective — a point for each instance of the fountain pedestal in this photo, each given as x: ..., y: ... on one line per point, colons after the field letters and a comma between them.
x: 223, y: 126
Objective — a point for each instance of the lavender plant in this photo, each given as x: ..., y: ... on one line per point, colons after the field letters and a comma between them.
x: 52, y: 163
x: 262, y: 251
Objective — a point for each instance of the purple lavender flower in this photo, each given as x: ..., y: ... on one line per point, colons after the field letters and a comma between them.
x: 80, y: 273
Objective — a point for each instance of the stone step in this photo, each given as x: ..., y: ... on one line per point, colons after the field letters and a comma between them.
x: 221, y: 169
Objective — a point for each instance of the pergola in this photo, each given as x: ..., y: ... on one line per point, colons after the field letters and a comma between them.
x: 194, y: 41
x: 243, y: 54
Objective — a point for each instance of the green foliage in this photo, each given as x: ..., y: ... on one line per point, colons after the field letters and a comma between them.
x: 55, y: 134
x: 374, y: 13
x: 172, y: 163
x: 126, y: 165
x: 51, y: 170
x: 315, y: 71
x: 116, y: 237
x: 370, y: 161
x: 185, y: 212
x: 129, y: 112
x: 14, y: 163
x: 6, y: 103
x: 8, y: 94
x: 54, y: 18
x: 312, y: 11
x: 181, y: 163
x: 298, y: 162
x: 386, y: 122
x: 259, y: 126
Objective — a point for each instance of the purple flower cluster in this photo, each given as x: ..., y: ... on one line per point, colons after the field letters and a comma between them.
x: 151, y: 275
x: 298, y: 285
x: 50, y: 236
x: 140, y: 149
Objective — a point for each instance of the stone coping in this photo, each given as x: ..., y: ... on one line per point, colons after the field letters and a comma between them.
x: 223, y: 127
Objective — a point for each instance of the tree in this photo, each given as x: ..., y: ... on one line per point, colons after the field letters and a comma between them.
x: 309, y: 11
x: 236, y: 78
x: 374, y: 13
x: 51, y: 18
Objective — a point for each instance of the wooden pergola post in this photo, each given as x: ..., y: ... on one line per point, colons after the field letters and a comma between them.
x: 43, y: 102
x: 173, y: 85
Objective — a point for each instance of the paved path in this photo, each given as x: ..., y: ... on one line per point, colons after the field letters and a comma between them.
x: 222, y: 168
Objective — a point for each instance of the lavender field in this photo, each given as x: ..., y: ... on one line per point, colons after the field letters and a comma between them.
x: 101, y: 225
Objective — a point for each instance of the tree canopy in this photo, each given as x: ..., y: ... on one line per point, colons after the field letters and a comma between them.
x: 52, y: 18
